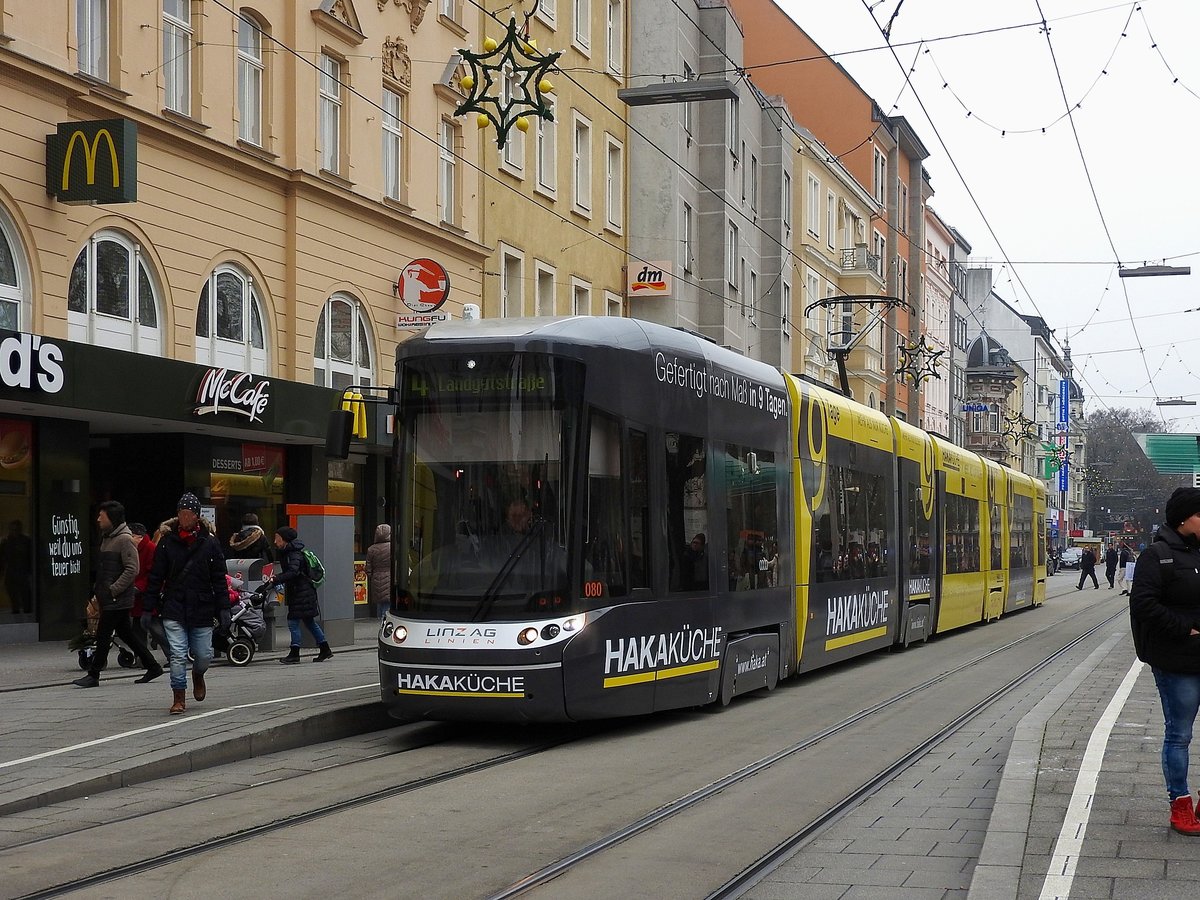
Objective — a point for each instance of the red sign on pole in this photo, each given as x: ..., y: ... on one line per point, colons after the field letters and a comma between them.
x: 424, y: 285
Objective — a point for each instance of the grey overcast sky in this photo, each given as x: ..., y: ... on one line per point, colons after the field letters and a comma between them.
x: 991, y: 106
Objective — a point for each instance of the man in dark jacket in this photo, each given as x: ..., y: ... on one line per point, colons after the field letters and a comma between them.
x: 1122, y: 564
x: 299, y: 593
x: 1087, y: 566
x: 1164, y: 612
x: 117, y: 568
x: 1110, y: 565
x: 187, y: 585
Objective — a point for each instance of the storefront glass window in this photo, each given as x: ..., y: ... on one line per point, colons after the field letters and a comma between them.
x: 16, y: 522
x: 246, y: 478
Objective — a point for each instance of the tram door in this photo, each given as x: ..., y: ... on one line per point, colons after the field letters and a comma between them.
x: 917, y: 554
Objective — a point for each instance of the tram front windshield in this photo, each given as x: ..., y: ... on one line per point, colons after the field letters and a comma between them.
x: 486, y: 449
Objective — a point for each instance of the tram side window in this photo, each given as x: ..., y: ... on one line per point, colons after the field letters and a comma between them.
x: 1039, y: 540
x: 997, y: 554
x: 1021, y: 533
x: 918, y: 533
x: 962, y: 534
x: 688, y: 536
x: 606, y: 562
x: 859, y: 532
x: 639, y: 510
x: 752, y: 518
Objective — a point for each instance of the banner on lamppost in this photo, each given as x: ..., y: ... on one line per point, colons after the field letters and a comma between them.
x: 1062, y: 476
x: 1064, y: 402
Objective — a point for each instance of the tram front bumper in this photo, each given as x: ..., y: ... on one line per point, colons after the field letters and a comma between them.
x: 412, y: 690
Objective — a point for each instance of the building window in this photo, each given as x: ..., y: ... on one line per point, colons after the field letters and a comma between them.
x: 786, y: 204
x: 732, y: 246
x: 812, y: 316
x: 229, y: 322
x: 91, y: 30
x: 902, y: 208
x: 177, y: 55
x: 689, y: 116
x: 513, y: 152
x: 546, y: 11
x: 112, y: 299
x: 393, y: 145
x: 830, y: 218
x: 880, y: 176
x: 545, y: 290
x: 685, y: 238
x: 581, y: 298
x: 512, y: 282
x: 733, y: 128
x: 250, y: 81
x: 342, y: 350
x: 547, y: 152
x: 878, y: 251
x: 583, y: 24
x: 615, y: 27
x: 447, y: 173
x: 754, y: 183
x: 613, y: 305
x: 785, y: 309
x: 614, y: 193
x: 583, y: 165
x: 752, y: 296
x: 813, y: 207
x: 13, y: 278
x: 331, y: 113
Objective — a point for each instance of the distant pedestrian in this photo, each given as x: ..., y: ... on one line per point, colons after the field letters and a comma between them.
x: 16, y: 565
x: 145, y: 548
x: 250, y: 542
x: 299, y: 593
x: 1110, y: 565
x: 187, y: 584
x: 1164, y: 611
x: 1123, y: 571
x: 116, y: 570
x: 1087, y: 567
x: 379, y: 570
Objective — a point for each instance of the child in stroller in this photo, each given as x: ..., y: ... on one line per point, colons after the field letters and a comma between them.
x: 246, y: 625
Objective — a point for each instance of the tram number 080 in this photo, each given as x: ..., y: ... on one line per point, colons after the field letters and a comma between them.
x: 593, y: 589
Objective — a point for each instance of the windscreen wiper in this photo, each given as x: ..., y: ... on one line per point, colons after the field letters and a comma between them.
x: 493, y: 590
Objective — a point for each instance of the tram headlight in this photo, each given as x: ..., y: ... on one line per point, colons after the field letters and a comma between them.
x: 572, y: 624
x: 399, y: 635
x: 550, y: 632
x: 527, y: 636
x: 388, y: 628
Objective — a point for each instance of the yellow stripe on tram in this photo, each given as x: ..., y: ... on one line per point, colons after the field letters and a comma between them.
x: 677, y: 672
x: 848, y: 639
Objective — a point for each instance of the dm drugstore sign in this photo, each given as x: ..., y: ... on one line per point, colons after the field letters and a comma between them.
x: 93, y: 162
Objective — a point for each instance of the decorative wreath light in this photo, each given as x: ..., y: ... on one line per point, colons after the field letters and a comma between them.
x: 515, y: 57
x: 918, y: 362
x: 1019, y: 429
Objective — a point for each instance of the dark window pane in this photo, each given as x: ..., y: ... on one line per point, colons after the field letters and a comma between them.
x: 112, y: 279
x: 319, y: 349
x: 256, y: 328
x: 341, y: 343
x: 8, y: 265
x: 202, y: 328
x: 364, y: 347
x: 687, y: 513
x: 147, y: 313
x: 751, y: 490
x: 606, y: 565
x: 10, y: 315
x: 230, y: 296
x: 77, y: 290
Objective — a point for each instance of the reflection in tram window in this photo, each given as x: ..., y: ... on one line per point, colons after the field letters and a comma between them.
x: 997, y: 535
x: 962, y: 534
x: 1020, y: 536
x: 604, y: 550
x: 918, y: 533
x: 639, y: 511
x: 752, y: 517
x: 857, y: 539
x: 687, y: 509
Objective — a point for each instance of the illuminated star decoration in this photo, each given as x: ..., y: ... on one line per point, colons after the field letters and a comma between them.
x: 507, y: 82
x: 918, y: 362
x: 1019, y: 429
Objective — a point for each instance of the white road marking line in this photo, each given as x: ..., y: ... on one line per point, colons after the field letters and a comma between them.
x: 173, y: 722
x: 1061, y: 874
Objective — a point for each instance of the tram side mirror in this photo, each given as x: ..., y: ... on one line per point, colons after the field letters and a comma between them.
x: 337, y: 434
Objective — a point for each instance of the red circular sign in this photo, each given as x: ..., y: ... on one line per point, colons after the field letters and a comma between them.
x: 424, y: 285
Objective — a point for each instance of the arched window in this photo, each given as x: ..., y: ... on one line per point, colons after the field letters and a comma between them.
x: 112, y: 300
x: 13, y: 277
x: 342, y: 355
x: 229, y: 322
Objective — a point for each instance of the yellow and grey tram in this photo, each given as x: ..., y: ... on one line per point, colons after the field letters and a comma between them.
x: 604, y: 517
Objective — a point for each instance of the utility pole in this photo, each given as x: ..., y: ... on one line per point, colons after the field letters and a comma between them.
x: 1064, y: 426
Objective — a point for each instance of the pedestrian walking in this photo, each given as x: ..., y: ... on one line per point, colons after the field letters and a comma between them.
x: 1164, y: 611
x: 145, y: 548
x: 1087, y: 567
x: 187, y: 585
x: 379, y: 570
x: 299, y: 593
x: 1110, y: 564
x: 1123, y: 570
x: 116, y: 570
x: 250, y: 542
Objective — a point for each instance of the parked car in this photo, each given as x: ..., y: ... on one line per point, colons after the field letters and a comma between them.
x: 1071, y: 557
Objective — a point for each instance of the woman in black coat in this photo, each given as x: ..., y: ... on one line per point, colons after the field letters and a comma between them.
x: 299, y: 593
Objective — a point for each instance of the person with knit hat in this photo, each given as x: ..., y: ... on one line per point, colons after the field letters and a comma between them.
x: 187, y: 586
x: 1164, y: 613
x: 299, y: 593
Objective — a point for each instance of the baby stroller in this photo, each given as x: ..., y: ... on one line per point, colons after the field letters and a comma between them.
x: 85, y: 644
x: 246, y: 626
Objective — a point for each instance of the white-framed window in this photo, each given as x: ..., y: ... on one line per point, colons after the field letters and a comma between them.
x: 786, y: 204
x: 614, y: 180
x: 613, y: 305
x: 544, y: 289
x: 902, y: 209
x: 448, y: 172
x: 583, y: 24
x: 547, y: 152
x: 512, y: 282
x: 785, y: 308
x: 330, y: 101
x: 830, y: 218
x: 113, y: 297
x: 812, y: 206
x: 450, y: 9
x: 392, y: 124
x: 582, y: 175
x: 547, y: 11
x: 845, y: 329
x: 513, y: 152
x: 581, y: 297
x: 177, y: 55
x: 753, y: 183
x: 91, y: 32
x: 229, y: 322
x: 742, y: 282
x: 752, y: 297
x: 686, y: 237
x: 879, y: 251
x: 732, y: 246
x: 14, y: 277
x: 879, y: 185
x: 615, y: 36
x: 342, y: 350
x: 733, y: 129
x: 812, y: 315
x: 250, y: 77
x: 688, y: 112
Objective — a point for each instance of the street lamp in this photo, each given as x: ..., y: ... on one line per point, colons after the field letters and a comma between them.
x: 1174, y: 401
x: 1150, y: 271
x: 678, y: 92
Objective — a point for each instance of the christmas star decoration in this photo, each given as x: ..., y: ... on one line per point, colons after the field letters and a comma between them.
x: 507, y: 83
x: 918, y: 362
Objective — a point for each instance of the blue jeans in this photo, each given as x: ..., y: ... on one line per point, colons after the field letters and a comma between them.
x: 1180, y: 695
x: 180, y: 639
x: 313, y: 628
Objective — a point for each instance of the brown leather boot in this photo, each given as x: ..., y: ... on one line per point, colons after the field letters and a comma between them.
x: 179, y: 705
x: 199, y: 691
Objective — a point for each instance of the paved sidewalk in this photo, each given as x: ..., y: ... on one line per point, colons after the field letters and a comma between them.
x: 60, y: 742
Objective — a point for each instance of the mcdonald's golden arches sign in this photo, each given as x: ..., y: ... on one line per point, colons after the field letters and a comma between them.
x: 93, y: 162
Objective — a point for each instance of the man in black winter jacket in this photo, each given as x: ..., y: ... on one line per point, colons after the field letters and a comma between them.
x: 1087, y: 569
x: 187, y: 585
x: 1164, y: 612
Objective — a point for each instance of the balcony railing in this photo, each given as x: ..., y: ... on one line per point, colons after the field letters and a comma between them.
x: 858, y: 259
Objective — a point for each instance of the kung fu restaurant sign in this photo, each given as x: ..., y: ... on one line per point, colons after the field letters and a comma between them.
x: 237, y: 393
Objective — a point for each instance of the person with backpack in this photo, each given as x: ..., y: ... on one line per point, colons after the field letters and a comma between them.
x: 299, y: 572
x: 1164, y: 614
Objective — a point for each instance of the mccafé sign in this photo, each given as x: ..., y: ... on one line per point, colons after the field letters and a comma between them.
x: 240, y: 393
x: 93, y: 162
